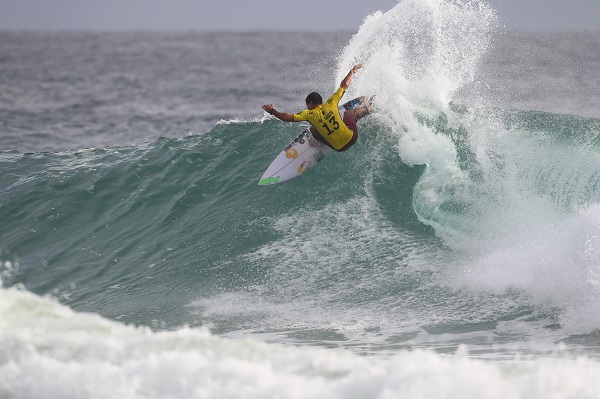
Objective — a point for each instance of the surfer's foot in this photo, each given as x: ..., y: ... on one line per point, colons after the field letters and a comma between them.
x: 361, y: 111
x: 365, y: 108
x: 368, y: 104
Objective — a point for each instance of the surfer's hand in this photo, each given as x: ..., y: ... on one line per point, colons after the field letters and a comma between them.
x: 269, y: 108
x: 356, y: 68
x: 346, y: 82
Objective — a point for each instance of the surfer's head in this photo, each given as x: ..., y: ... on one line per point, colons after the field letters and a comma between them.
x: 313, y: 100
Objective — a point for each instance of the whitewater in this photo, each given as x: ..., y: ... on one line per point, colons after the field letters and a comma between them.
x: 454, y: 251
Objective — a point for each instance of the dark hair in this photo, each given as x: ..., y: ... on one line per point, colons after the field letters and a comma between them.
x: 314, y: 98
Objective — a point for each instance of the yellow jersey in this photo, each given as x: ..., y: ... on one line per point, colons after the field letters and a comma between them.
x: 328, y: 122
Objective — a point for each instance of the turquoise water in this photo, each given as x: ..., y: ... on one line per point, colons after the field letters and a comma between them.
x: 452, y: 251
x: 176, y: 232
x: 177, y: 236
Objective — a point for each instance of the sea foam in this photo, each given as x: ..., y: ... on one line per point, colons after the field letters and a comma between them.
x: 48, y: 350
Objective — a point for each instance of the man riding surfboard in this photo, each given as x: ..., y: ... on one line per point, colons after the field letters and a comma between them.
x: 327, y: 124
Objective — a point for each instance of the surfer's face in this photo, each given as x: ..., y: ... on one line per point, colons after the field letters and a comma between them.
x: 310, y: 105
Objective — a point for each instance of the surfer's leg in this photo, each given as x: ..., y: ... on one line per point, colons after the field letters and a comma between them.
x: 362, y: 110
x: 317, y: 136
x: 350, y: 121
x: 362, y: 100
x: 359, y: 112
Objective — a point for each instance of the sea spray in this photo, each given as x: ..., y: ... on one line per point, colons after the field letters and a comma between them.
x: 557, y: 267
x: 418, y: 52
x: 416, y: 56
x: 499, y: 187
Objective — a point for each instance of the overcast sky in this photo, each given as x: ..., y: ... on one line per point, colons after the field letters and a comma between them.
x: 536, y: 15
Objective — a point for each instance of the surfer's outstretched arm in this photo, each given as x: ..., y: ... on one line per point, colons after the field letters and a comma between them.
x: 346, y: 82
x: 279, y: 115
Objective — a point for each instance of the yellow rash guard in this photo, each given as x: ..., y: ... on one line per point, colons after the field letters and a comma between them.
x: 328, y: 122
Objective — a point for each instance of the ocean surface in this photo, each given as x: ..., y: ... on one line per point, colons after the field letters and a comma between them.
x: 453, y: 252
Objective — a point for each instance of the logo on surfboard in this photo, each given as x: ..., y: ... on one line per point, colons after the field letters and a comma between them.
x: 268, y: 180
x: 291, y: 153
x: 301, y: 167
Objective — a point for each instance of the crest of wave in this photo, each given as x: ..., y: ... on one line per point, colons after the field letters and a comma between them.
x: 425, y: 49
x: 415, y: 56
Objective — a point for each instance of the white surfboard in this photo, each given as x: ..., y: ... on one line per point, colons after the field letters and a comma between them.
x: 300, y: 155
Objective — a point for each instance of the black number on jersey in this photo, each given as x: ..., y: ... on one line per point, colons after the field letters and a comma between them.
x: 335, y: 124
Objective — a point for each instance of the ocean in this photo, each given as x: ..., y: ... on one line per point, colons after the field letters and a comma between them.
x: 452, y: 252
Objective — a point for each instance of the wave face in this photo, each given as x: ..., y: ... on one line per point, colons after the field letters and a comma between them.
x: 452, y: 226
x: 494, y: 234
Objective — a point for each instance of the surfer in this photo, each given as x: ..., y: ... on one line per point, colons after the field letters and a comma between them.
x: 327, y: 125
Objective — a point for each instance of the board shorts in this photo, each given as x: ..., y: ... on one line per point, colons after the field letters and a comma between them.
x: 350, y: 121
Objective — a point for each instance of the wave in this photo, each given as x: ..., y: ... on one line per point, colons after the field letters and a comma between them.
x: 446, y: 224
x: 46, y: 349
x: 114, y: 230
x: 496, y: 181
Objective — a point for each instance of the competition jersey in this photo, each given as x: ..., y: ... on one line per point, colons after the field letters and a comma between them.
x: 328, y: 122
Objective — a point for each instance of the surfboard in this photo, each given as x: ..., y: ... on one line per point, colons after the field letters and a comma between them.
x: 300, y: 155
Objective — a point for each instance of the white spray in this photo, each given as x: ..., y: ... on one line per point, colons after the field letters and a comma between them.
x: 482, y: 190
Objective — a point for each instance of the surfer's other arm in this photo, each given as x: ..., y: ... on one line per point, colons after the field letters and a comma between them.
x: 279, y: 115
x: 346, y: 82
